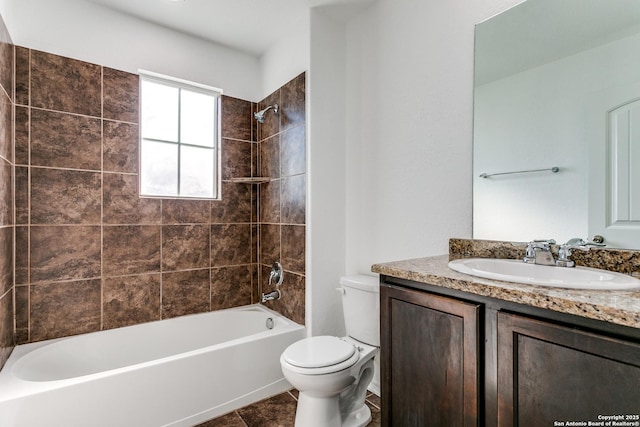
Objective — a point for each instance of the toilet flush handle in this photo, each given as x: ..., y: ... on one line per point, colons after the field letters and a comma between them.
x: 341, y: 290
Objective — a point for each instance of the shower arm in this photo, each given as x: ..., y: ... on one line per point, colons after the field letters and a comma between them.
x: 260, y: 115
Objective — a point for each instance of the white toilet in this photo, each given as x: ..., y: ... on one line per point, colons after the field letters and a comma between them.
x: 332, y: 374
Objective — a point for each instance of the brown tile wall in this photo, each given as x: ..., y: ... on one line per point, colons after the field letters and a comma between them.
x: 282, y: 201
x: 6, y: 195
x: 93, y: 255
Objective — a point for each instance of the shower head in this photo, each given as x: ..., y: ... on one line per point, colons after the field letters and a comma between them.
x: 259, y: 116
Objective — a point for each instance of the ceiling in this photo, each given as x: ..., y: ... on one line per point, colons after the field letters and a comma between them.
x: 250, y: 26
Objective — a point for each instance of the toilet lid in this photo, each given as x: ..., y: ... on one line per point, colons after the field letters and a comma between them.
x: 317, y: 352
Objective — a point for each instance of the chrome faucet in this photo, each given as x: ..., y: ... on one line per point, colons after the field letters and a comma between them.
x: 576, y: 243
x: 273, y: 295
x: 275, y: 278
x: 539, y: 252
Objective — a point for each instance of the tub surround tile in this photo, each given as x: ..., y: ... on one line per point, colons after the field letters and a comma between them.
x: 236, y: 159
x: 270, y: 202
x: 22, y: 314
x: 256, y: 287
x: 21, y: 138
x: 6, y: 260
x: 122, y: 205
x: 236, y: 118
x: 22, y: 307
x: 254, y: 123
x: 271, y: 125
x: 293, y: 151
x: 6, y: 74
x: 282, y: 211
x: 60, y: 196
x: 185, y: 292
x: 7, y: 220
x: 186, y: 211
x: 185, y: 247
x: 120, y: 147
x: 81, y: 219
x: 293, y: 102
x: 270, y: 157
x: 255, y: 239
x: 231, y: 286
x: 293, y: 248
x: 130, y: 300
x: 6, y: 326
x: 59, y: 253
x: 65, y: 140
x: 22, y: 256
x: 269, y: 243
x: 22, y: 195
x: 132, y: 249
x: 292, y: 301
x: 230, y: 244
x: 255, y: 159
x: 620, y: 307
x: 64, y: 84
x: 293, y: 201
x: 6, y: 59
x: 6, y: 192
x: 121, y: 95
x: 6, y: 125
x: 22, y: 75
x: 234, y: 206
x: 63, y: 309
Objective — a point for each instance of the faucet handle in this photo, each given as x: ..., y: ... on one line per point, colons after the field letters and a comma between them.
x: 579, y: 243
x: 576, y: 243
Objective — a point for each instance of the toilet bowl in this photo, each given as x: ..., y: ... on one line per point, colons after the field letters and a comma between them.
x: 332, y: 373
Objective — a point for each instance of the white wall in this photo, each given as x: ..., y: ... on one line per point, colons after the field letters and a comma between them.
x: 325, y: 174
x: 92, y: 33
x: 392, y: 179
x: 409, y: 127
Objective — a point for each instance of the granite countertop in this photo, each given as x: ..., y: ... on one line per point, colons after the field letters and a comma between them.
x: 619, y: 307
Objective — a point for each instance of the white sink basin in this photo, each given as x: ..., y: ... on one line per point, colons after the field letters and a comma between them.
x: 510, y: 270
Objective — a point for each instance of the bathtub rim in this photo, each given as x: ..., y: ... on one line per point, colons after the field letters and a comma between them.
x: 13, y: 387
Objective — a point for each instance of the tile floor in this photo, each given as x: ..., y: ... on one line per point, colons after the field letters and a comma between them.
x: 277, y: 411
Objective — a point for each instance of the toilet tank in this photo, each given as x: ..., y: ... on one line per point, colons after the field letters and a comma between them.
x: 361, y: 308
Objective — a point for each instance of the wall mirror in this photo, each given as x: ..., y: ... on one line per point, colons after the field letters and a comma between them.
x: 557, y: 85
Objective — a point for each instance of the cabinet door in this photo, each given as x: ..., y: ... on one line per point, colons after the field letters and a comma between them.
x: 550, y: 374
x: 429, y: 360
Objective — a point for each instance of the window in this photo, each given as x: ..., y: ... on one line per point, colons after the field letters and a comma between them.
x: 178, y: 138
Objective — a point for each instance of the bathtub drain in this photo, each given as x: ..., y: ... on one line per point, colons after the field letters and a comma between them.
x: 269, y: 322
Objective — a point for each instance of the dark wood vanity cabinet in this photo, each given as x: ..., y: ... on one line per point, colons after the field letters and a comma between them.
x: 429, y: 359
x: 548, y: 373
x: 456, y: 359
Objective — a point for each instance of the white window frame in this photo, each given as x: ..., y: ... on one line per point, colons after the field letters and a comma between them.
x: 193, y: 87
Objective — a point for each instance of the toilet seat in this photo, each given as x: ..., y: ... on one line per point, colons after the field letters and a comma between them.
x: 320, y: 355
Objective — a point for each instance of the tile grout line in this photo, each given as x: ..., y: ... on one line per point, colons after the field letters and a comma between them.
x: 102, y: 290
x: 12, y: 288
x: 29, y: 198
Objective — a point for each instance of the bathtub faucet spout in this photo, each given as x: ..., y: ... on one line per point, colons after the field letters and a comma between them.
x: 274, y: 295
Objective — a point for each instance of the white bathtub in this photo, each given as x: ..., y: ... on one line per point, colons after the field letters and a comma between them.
x: 175, y: 372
